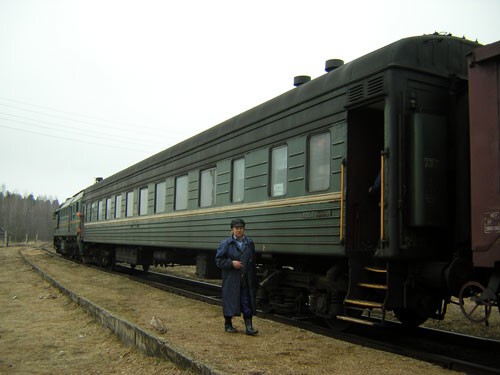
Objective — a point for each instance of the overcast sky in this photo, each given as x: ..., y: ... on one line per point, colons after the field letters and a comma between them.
x: 90, y: 87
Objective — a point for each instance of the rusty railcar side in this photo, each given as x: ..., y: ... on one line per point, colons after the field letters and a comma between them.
x: 484, y: 107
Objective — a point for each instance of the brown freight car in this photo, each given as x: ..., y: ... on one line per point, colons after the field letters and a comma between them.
x: 484, y: 106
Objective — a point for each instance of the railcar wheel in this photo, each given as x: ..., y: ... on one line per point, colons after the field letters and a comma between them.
x: 111, y: 264
x: 473, y: 307
x: 340, y: 325
x: 337, y: 324
x: 410, y: 318
x: 421, y: 307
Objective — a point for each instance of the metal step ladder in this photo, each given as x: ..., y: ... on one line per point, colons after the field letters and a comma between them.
x: 365, y: 301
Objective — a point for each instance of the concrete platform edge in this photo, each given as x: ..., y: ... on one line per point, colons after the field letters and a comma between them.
x: 128, y: 333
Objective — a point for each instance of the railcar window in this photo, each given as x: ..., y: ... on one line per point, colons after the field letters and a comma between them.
x: 108, y: 208
x: 181, y: 192
x: 118, y: 206
x: 238, y: 185
x: 130, y: 204
x: 99, y: 210
x: 143, y: 201
x: 319, y: 162
x: 207, y: 187
x: 160, y: 193
x: 89, y: 212
x: 279, y: 171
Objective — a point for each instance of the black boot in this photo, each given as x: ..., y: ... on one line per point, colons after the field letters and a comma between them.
x: 228, y: 325
x: 249, y: 327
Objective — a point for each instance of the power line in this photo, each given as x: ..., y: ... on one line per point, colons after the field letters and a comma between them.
x: 152, y: 131
x: 73, y: 130
x: 69, y: 139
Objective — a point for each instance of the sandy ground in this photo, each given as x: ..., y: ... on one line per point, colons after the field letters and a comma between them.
x: 454, y: 321
x: 42, y: 332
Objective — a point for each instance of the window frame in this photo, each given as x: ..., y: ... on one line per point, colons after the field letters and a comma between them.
x: 272, y: 175
x: 314, y: 169
x: 129, y: 204
x: 143, y: 201
x: 185, y: 191
x: 233, y: 184
x: 118, y: 206
x: 163, y: 197
x: 99, y: 210
x: 205, y: 184
x: 107, y: 214
x: 88, y: 213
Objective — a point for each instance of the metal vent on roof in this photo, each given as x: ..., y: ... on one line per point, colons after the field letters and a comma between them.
x: 375, y: 86
x: 333, y: 64
x: 356, y: 93
x: 300, y: 80
x: 367, y: 89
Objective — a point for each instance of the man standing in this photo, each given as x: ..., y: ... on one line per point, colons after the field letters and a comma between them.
x: 236, y: 258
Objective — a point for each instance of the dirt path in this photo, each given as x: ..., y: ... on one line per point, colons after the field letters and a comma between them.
x: 42, y: 332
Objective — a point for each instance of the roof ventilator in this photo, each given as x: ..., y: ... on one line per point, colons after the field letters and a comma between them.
x: 333, y: 64
x: 300, y: 80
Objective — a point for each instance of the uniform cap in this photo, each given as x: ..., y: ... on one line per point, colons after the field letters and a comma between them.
x: 237, y: 223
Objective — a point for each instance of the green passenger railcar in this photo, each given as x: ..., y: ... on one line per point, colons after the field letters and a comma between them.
x: 298, y: 169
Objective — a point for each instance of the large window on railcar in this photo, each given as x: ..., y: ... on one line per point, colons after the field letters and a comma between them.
x: 207, y: 187
x: 99, y: 210
x: 118, y: 206
x: 279, y: 175
x: 143, y: 201
x: 181, y: 192
x: 238, y: 180
x: 108, y: 209
x: 160, y: 194
x: 130, y: 204
x: 319, y: 162
x: 90, y: 210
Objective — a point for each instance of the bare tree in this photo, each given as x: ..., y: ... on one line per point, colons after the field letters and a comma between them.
x: 26, y: 216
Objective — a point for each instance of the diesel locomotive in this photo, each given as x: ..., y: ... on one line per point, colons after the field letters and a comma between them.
x: 300, y: 169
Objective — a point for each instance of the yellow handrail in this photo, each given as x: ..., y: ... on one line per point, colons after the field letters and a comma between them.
x: 342, y: 171
x: 382, y: 169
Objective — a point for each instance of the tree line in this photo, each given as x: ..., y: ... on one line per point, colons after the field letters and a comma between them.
x: 26, y: 218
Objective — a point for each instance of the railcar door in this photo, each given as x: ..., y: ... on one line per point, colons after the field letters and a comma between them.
x: 365, y: 141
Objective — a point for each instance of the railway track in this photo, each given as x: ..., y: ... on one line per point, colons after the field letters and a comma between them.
x: 458, y: 352
x: 453, y: 351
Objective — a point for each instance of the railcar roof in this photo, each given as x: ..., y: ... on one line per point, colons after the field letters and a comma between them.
x: 484, y: 53
x: 71, y: 200
x: 435, y: 54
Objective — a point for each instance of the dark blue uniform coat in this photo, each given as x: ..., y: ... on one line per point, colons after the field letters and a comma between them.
x: 232, y: 278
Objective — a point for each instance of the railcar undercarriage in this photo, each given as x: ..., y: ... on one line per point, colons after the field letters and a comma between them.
x: 299, y: 292
x: 360, y: 292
